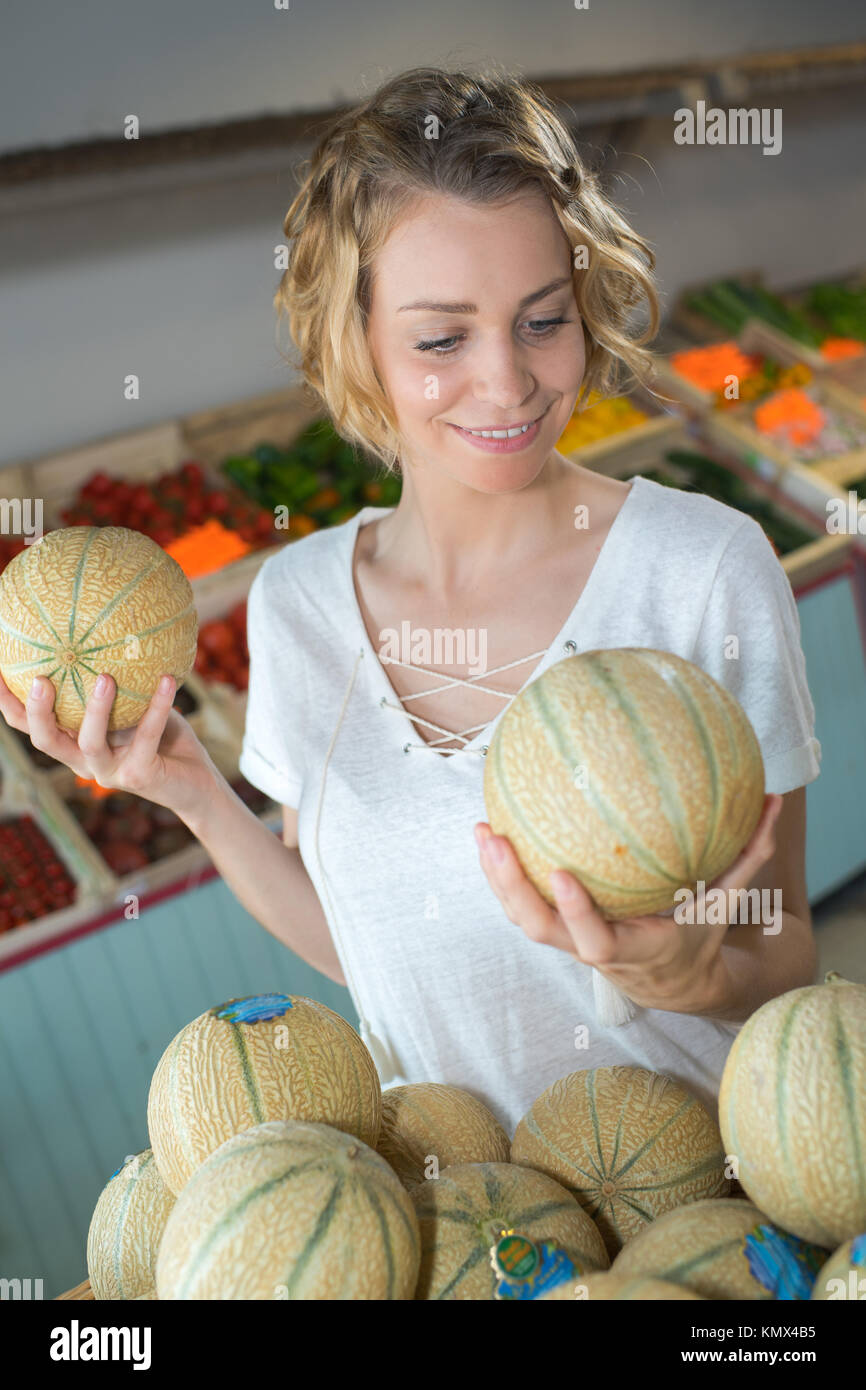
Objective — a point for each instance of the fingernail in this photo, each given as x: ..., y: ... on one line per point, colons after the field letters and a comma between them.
x: 563, y: 887
x: 496, y: 850
x: 101, y: 685
x: 36, y: 691
x: 165, y: 685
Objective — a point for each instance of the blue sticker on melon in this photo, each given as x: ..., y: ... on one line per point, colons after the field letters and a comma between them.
x: 784, y: 1264
x: 526, y: 1269
x: 858, y: 1250
x: 258, y: 1008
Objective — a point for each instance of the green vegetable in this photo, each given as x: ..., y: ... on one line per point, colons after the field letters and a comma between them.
x: 317, y: 459
x: 843, y: 309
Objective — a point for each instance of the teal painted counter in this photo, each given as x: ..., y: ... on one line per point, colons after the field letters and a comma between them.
x: 82, y: 1027
x: 81, y: 1030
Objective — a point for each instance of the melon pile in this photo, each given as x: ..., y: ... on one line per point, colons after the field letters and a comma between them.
x: 277, y: 1169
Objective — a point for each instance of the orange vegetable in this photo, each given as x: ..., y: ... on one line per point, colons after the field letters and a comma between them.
x: 837, y: 349
x: 206, y: 548
x: 325, y: 497
x: 96, y: 791
x: 709, y: 366
x: 791, y: 413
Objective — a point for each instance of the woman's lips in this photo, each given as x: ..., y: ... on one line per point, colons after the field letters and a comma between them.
x: 503, y: 446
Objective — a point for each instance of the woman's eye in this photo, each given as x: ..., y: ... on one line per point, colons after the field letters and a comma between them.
x: 442, y: 347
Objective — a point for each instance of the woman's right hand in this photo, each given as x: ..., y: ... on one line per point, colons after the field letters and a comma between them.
x: 160, y: 759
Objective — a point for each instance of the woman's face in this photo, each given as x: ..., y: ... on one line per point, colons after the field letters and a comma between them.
x: 474, y: 326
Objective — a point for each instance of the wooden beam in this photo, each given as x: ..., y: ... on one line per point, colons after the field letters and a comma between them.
x: 809, y: 67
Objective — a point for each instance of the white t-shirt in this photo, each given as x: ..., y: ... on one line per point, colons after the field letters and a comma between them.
x: 451, y: 989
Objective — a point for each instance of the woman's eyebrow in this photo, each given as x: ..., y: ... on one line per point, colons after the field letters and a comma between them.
x: 528, y: 299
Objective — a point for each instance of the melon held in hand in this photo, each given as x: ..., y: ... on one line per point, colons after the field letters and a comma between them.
x: 90, y: 599
x: 630, y: 768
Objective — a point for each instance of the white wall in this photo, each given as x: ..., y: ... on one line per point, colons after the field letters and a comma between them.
x: 73, y: 70
x: 175, y: 285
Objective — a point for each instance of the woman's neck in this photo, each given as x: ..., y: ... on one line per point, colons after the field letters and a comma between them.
x: 451, y: 538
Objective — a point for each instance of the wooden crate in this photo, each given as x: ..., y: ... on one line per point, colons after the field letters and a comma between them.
x: 23, y: 793
x: 693, y: 325
x: 81, y: 1291
x: 637, y: 444
x: 143, y: 455
x: 276, y: 417
x: 734, y: 428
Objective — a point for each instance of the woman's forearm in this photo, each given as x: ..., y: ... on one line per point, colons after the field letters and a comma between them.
x: 267, y: 877
x: 753, y: 968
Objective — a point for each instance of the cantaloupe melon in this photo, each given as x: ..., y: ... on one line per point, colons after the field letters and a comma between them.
x: 428, y: 1120
x: 126, y: 1229
x: 290, y: 1210
x: 605, y: 1286
x: 90, y: 599
x: 843, y: 1277
x: 630, y: 768
x: 792, y: 1107
x: 463, y: 1212
x: 722, y: 1248
x: 268, y: 1057
x: 627, y: 1143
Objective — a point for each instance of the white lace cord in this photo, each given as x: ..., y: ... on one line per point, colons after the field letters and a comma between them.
x: 451, y: 682
x: 380, y: 1052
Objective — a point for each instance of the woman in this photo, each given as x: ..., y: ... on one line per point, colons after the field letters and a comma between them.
x: 457, y: 279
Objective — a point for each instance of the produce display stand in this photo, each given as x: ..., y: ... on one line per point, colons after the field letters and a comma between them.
x: 218, y: 719
x: 732, y: 426
x: 639, y: 442
x: 774, y: 340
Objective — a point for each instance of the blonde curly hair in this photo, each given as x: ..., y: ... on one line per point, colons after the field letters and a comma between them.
x: 494, y: 135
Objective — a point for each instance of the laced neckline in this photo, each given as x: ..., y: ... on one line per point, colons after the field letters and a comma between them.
x: 468, y: 738
x: 450, y: 683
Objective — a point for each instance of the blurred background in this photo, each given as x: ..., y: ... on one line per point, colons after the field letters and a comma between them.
x: 154, y: 257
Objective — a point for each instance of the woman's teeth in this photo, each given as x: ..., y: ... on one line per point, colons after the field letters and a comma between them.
x: 502, y: 434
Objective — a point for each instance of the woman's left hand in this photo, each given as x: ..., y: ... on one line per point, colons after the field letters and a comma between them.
x: 658, y: 962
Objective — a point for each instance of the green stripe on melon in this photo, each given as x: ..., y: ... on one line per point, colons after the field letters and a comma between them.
x: 126, y: 1229
x: 84, y: 600
x: 428, y: 1120
x: 627, y: 1143
x: 671, y: 782
x: 291, y: 1211
x: 269, y: 1057
x: 463, y: 1212
x: 721, y: 1248
x: 792, y: 1108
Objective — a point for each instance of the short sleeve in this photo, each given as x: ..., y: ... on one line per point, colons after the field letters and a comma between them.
x: 267, y: 760
x: 751, y: 600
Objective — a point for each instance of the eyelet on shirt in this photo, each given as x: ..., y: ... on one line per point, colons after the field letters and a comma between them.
x: 570, y: 646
